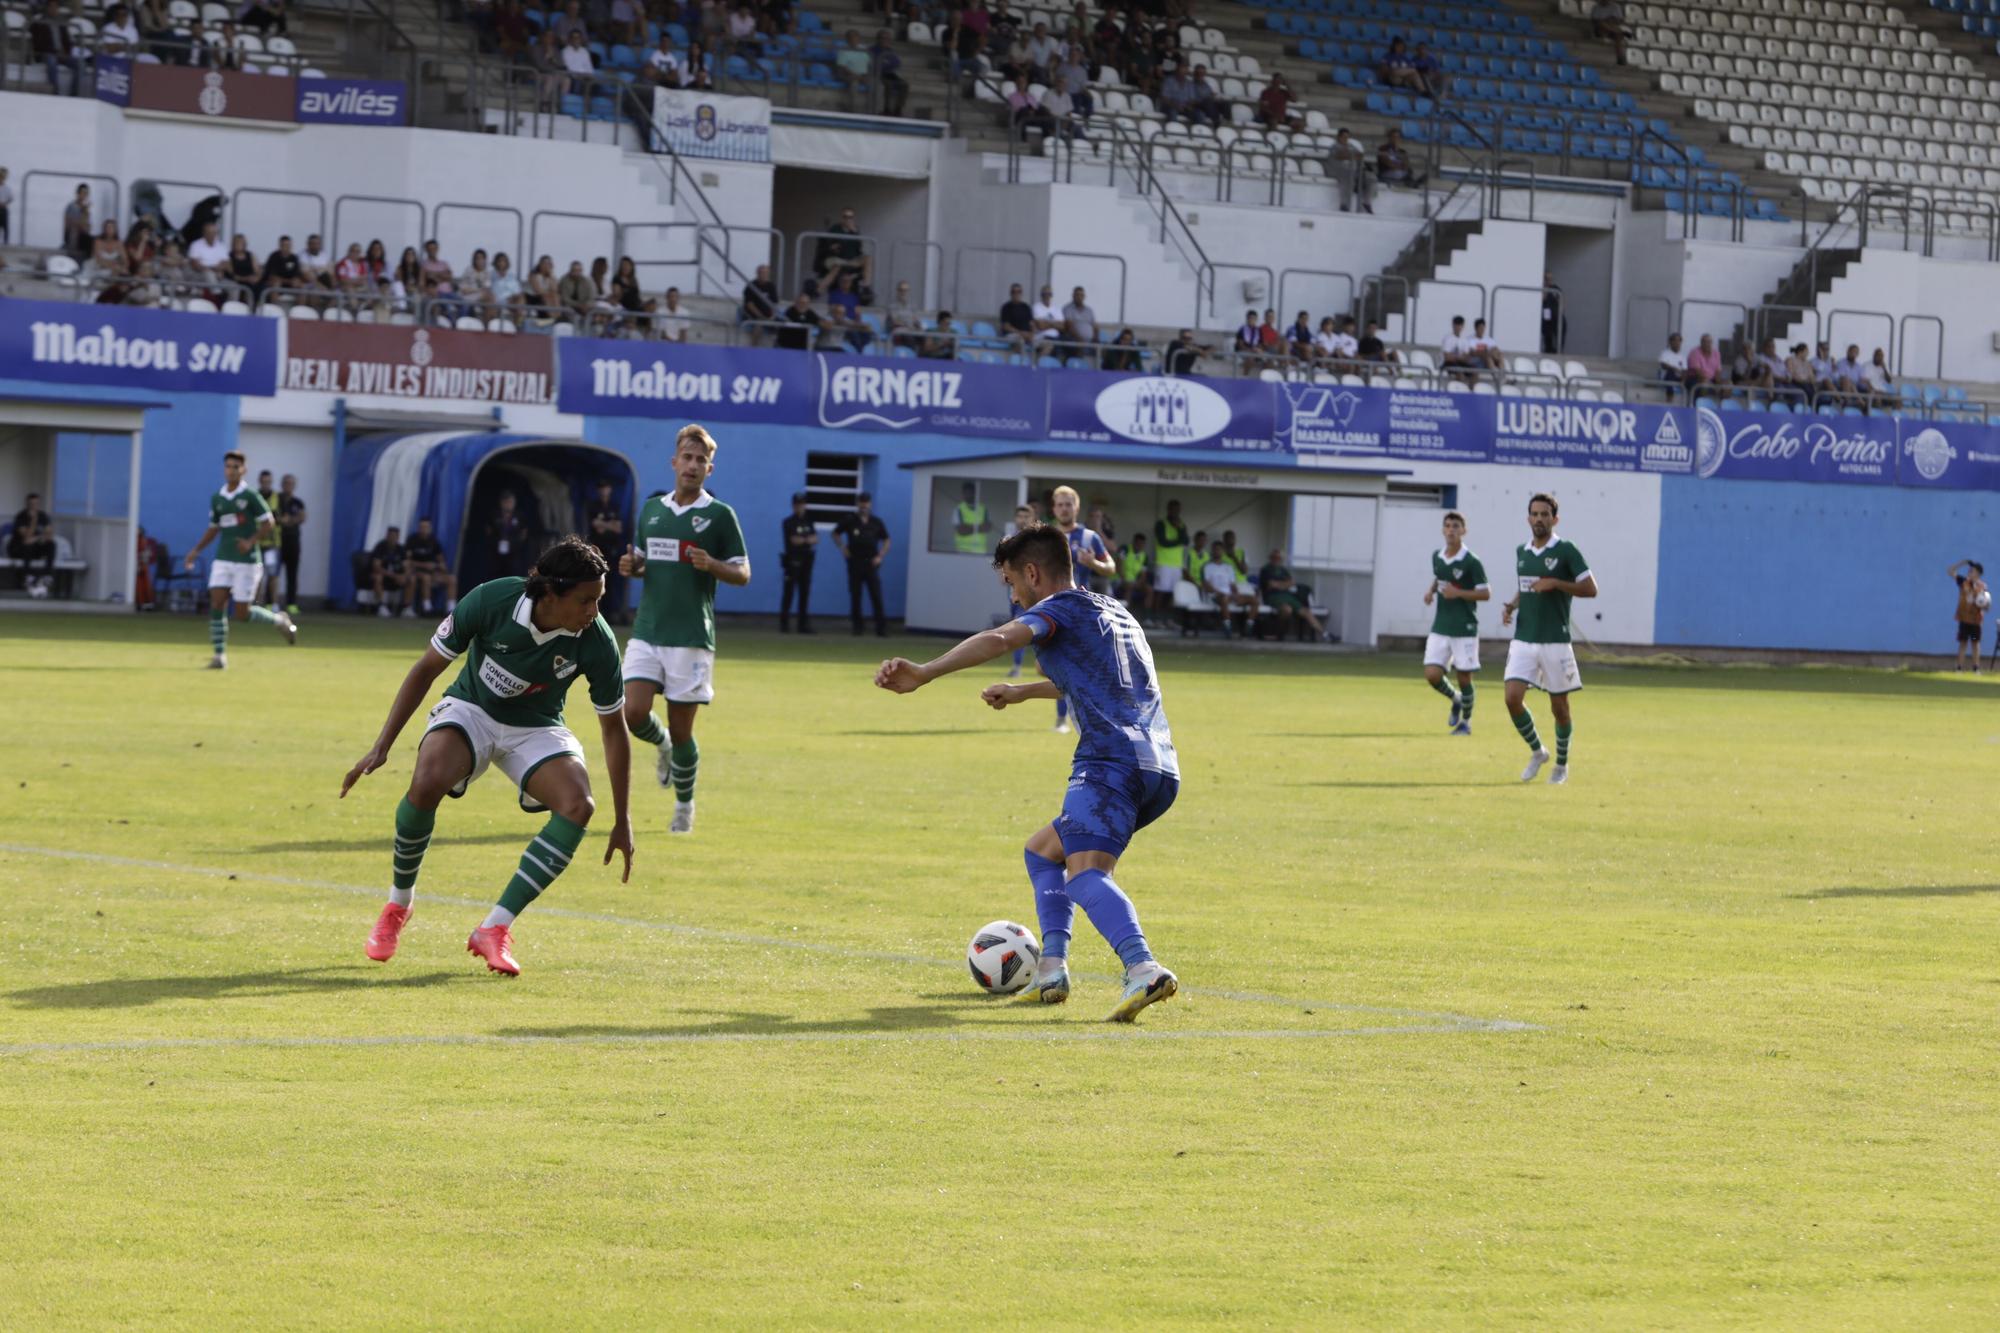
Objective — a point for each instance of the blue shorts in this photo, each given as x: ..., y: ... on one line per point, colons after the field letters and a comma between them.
x: 1107, y: 803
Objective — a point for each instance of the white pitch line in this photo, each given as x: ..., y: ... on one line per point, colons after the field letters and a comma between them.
x: 705, y: 1038
x: 1450, y: 1021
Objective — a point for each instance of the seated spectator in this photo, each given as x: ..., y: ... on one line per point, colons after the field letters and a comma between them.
x: 438, y: 285
x: 266, y: 16
x: 1485, y: 349
x: 941, y: 343
x: 223, y: 48
x: 1332, y: 342
x: 107, y: 253
x: 172, y: 267
x: 385, y: 571
x: 698, y: 76
x: 1347, y: 163
x: 1056, y: 114
x: 1274, y: 105
x: 1176, y: 94
x: 424, y: 566
x: 1607, y: 23
x: 544, y: 289
x: 406, y: 280
x: 1183, y: 354
x: 843, y: 313
x: 550, y: 69
x: 118, y: 35
x: 1822, y: 369
x: 1768, y: 358
x: 627, y: 25
x: 241, y: 267
x: 1124, y: 352
x: 315, y: 264
x: 906, y: 322
x: 1850, y: 376
x: 1042, y: 50
x: 1748, y: 371
x: 1233, y: 595
x: 671, y: 323
x: 78, y: 233
x: 208, y: 255
x: 1020, y: 107
x: 571, y: 19
x: 1372, y: 348
x: 1429, y: 71
x: 665, y: 62
x: 1392, y: 164
x: 53, y: 46
x: 1281, y: 594
x: 802, y: 324
x: 888, y: 73
x: 32, y: 539
x: 851, y: 63
x: 841, y: 248
x: 1881, y: 385
x: 1398, y: 69
x: 580, y: 65
x: 1079, y: 324
x: 1673, y: 368
x: 281, y: 274
x: 1300, y: 337
x: 1270, y: 338
x: 1207, y: 106
x: 576, y: 293
x: 1017, y: 317
x: 1048, y: 319
x: 1799, y: 377
x: 1704, y: 364
x: 475, y: 285
x: 760, y: 301
x: 1455, y: 352
x: 743, y: 34
x: 355, y: 277
x: 1250, y: 339
x: 1072, y: 75
x: 138, y: 269
x: 631, y: 299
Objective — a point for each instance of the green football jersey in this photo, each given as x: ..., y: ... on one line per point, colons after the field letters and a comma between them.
x: 1455, y: 617
x: 677, y: 601
x: 1543, y: 617
x: 515, y: 672
x: 238, y: 513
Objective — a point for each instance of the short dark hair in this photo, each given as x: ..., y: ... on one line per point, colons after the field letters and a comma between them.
x: 236, y: 454
x: 1451, y: 514
x: 569, y: 562
x: 1546, y: 499
x: 1043, y: 545
x: 1975, y: 566
x: 864, y: 496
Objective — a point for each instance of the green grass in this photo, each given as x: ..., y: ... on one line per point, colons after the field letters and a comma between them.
x: 1754, y: 938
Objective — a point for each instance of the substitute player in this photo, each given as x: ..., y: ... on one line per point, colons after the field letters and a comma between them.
x: 1551, y: 572
x: 525, y: 642
x: 1125, y: 774
x: 689, y: 540
x: 1088, y: 556
x: 1458, y: 585
x: 239, y: 516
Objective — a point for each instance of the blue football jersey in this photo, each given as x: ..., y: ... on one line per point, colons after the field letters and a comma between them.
x: 1082, y: 542
x: 1095, y: 652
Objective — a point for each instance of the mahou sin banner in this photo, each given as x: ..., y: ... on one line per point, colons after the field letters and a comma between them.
x: 402, y: 361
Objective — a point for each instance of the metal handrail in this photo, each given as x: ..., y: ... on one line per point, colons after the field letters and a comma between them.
x: 1119, y: 260
x: 437, y: 220
x: 74, y: 179
x: 334, y: 242
x: 236, y: 202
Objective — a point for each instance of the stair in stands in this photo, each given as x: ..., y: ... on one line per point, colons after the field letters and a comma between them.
x: 1419, y: 262
x: 1800, y: 290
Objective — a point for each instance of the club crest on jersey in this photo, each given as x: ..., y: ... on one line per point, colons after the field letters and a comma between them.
x: 1550, y: 561
x: 564, y: 667
x: 701, y: 524
x: 1457, y: 571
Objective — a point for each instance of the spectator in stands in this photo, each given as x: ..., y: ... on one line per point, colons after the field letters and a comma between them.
x: 223, y: 47
x: 1072, y: 75
x: 241, y: 267
x: 941, y: 343
x: 281, y: 274
x: 32, y: 539
x: 266, y: 16
x: 1299, y: 338
x: 354, y: 276
x: 802, y: 324
x: 1704, y: 364
x: 1372, y: 348
x: 843, y: 311
x: 107, y: 254
x: 576, y: 293
x: 1048, y: 318
x: 851, y: 63
x: 1673, y: 364
x: 6, y: 205
x: 895, y: 89
x: 1392, y: 164
x: 1347, y: 163
x: 1206, y: 106
x: 570, y: 20
x: 77, y: 229
x: 627, y: 27
x: 760, y: 301
x: 1274, y: 105
x: 1234, y: 596
x: 1799, y: 377
x: 1555, y: 324
x: 1020, y: 107
x: 1398, y: 69
x: 1017, y: 318
x: 475, y: 286
x: 1429, y: 71
x: 118, y: 35
x: 544, y: 289
x: 1042, y: 50
x: 840, y: 248
x: 427, y: 571
x: 1331, y: 342
x: 1769, y: 360
x: 1881, y: 385
x: 1822, y: 369
x: 1176, y: 95
x: 906, y: 322
x: 172, y: 267
x: 507, y: 539
x: 1124, y: 353
x: 137, y: 266
x: 551, y: 73
x: 50, y: 43
x: 1607, y: 23
x: 1485, y: 348
x: 1079, y: 323
x: 439, y: 287
x: 966, y: 42
x: 1850, y: 377
x: 743, y: 34
x: 579, y: 63
x: 1281, y: 594
x: 1056, y: 113
x: 1271, y: 338
x: 1455, y: 352
x: 406, y: 281
x: 666, y: 65
x: 698, y: 77
x: 630, y: 294
x: 156, y: 29
x: 511, y: 34
x: 315, y: 265
x: 209, y: 255
x: 1183, y: 354
x: 1250, y: 340
x: 671, y: 322
x: 385, y: 571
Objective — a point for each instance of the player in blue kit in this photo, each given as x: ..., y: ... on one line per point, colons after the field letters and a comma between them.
x: 1124, y: 776
x: 1087, y: 555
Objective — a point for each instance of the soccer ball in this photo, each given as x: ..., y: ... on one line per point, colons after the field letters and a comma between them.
x: 1002, y: 957
x: 1985, y: 599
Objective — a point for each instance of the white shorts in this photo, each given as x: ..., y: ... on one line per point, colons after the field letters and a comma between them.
x: 1550, y: 667
x: 684, y: 675
x: 241, y: 577
x: 1166, y: 577
x: 515, y: 751
x: 1459, y: 654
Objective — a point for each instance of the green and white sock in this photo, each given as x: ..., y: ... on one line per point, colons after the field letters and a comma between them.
x: 1465, y: 701
x: 1524, y: 722
x: 545, y: 858
x: 683, y: 762
x: 413, y: 839
x: 1443, y: 687
x: 650, y: 731
x: 1563, y: 730
x: 218, y: 632
x: 262, y: 615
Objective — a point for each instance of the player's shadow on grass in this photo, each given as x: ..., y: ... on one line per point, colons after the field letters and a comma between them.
x: 725, y: 1023
x: 1899, y: 891
x: 374, y: 843
x: 138, y: 992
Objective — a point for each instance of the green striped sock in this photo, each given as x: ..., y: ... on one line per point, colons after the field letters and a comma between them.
x: 545, y: 858
x: 1524, y: 722
x: 650, y: 731
x: 1563, y: 730
x: 413, y: 839
x: 262, y: 615
x: 683, y: 762
x: 218, y: 631
x: 1442, y: 687
x: 1465, y: 702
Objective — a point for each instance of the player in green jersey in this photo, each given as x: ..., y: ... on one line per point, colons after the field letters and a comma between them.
x: 1551, y: 572
x: 525, y: 642
x: 239, y: 516
x: 1458, y: 585
x: 688, y: 541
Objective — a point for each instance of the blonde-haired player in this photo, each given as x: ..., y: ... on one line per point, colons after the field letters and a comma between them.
x: 687, y: 542
x: 1088, y: 554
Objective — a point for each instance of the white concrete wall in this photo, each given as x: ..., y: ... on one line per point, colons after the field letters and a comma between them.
x: 1509, y: 254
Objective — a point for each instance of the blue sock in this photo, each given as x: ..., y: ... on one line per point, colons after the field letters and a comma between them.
x: 1112, y: 913
x: 1062, y: 708
x: 1019, y: 653
x: 1053, y: 908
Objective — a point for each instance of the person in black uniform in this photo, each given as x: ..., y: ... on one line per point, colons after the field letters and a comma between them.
x: 607, y: 534
x: 385, y: 570
x: 507, y: 539
x: 800, y: 536
x: 427, y: 570
x: 291, y: 513
x: 863, y: 540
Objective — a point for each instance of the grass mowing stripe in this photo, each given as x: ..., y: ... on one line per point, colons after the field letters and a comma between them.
x: 1449, y: 1021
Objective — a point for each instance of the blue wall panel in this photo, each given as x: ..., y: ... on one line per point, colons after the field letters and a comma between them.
x: 1796, y: 565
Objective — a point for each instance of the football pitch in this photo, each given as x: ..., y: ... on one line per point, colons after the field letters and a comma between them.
x: 1705, y: 1037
